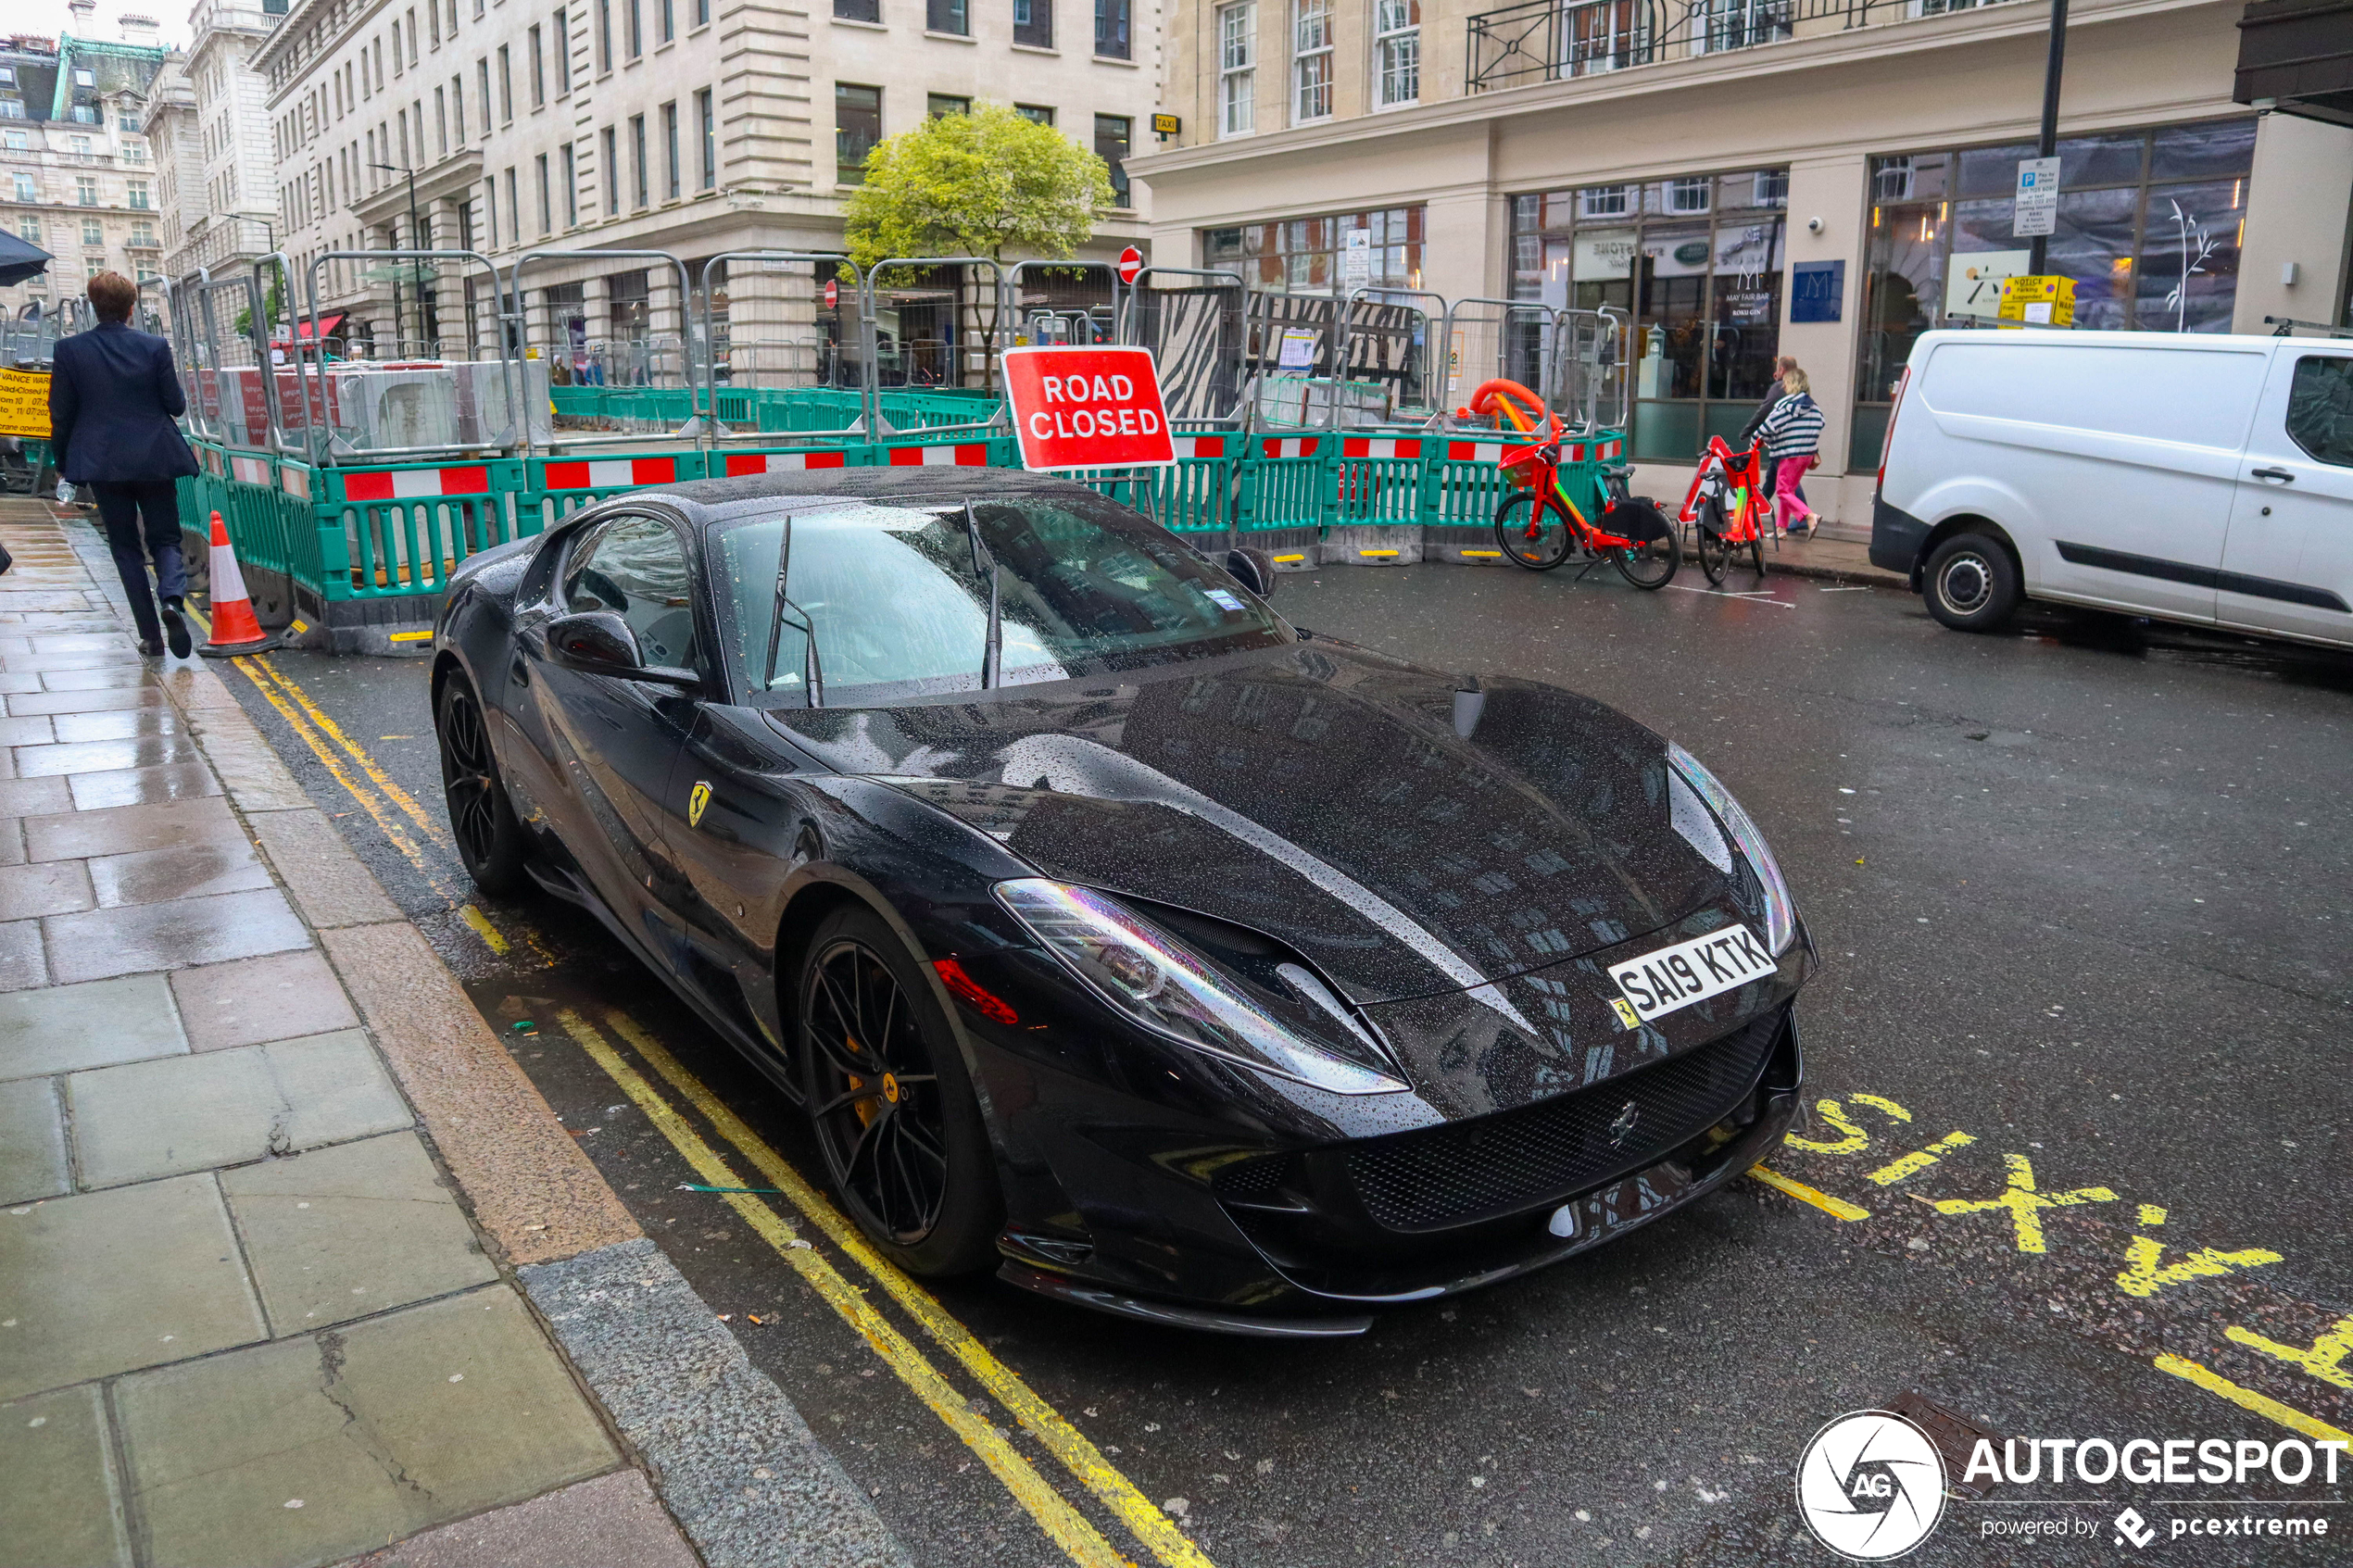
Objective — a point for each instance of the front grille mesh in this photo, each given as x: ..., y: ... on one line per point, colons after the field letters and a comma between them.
x: 1466, y: 1170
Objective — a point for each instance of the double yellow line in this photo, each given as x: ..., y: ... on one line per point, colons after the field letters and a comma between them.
x: 405, y: 825
x: 1061, y: 1523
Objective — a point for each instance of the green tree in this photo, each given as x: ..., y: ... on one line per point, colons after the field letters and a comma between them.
x: 973, y: 185
x: 273, y: 307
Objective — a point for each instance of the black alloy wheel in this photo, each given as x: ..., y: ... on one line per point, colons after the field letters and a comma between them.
x: 1970, y: 584
x: 887, y: 1095
x: 1540, y: 544
x: 490, y: 841
x: 1714, y: 555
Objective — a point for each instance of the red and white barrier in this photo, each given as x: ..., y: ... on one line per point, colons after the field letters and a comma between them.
x: 782, y: 462
x: 975, y: 455
x: 414, y: 484
x: 1379, y: 446
x: 1199, y: 446
x: 1290, y: 446
x: 606, y: 473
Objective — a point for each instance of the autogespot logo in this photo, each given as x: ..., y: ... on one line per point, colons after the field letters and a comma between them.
x: 1870, y: 1486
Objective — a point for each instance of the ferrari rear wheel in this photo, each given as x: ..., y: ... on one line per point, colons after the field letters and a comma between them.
x: 894, y: 1112
x: 490, y: 841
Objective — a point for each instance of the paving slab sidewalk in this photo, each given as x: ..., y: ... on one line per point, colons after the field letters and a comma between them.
x: 265, y: 1177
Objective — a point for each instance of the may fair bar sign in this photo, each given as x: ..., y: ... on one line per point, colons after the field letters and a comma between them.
x: 1088, y: 408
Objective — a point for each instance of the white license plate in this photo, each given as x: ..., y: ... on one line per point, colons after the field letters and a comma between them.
x: 1661, y: 981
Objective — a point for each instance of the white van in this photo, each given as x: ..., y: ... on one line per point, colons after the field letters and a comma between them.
x: 2201, y: 479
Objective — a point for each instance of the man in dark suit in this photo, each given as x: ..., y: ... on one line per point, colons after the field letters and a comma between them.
x: 113, y: 395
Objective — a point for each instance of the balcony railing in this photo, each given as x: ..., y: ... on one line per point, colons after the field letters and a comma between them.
x: 1554, y: 39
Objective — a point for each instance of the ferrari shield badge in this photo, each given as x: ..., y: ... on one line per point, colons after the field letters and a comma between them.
x: 696, y: 798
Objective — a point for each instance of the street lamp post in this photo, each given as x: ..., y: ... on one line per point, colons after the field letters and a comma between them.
x: 2054, y: 64
x: 415, y: 229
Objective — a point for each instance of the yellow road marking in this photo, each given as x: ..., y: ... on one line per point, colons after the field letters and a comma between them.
x: 392, y: 830
x: 368, y: 764
x: 1837, y: 1208
x: 1061, y: 1522
x: 484, y: 929
x: 307, y: 724
x: 2324, y: 1360
x: 2248, y: 1399
x: 408, y: 636
x: 1083, y: 1459
x: 1917, y: 1160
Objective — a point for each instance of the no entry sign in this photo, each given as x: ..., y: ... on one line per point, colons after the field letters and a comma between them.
x: 1088, y: 407
x: 1131, y: 265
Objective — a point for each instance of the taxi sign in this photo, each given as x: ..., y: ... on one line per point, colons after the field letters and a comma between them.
x: 1088, y: 408
x: 1168, y: 125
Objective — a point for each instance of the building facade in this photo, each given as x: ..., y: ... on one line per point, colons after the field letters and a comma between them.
x: 1749, y: 178
x: 77, y: 176
x: 519, y: 130
x: 221, y: 172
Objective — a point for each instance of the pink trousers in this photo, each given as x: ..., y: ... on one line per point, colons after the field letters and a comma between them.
x: 1787, y: 507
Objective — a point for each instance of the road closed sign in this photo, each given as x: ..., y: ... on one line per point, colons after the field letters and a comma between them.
x: 1088, y: 408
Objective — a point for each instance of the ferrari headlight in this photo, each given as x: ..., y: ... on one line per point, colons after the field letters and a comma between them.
x: 1780, y: 909
x: 1154, y: 979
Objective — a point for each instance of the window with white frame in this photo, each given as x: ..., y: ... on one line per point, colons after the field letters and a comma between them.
x: 1397, y: 51
x: 1605, y: 201
x: 1237, y: 73
x: 1310, y: 59
x: 1690, y: 195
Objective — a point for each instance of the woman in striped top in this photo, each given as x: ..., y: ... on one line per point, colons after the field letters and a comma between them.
x: 1793, y: 437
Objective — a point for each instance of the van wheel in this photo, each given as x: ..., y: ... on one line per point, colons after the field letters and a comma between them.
x: 1970, y: 584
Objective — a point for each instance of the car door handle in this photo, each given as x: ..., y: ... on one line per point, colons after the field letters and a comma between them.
x: 2282, y: 475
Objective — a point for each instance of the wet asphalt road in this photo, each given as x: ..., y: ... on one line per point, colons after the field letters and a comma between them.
x: 2082, y: 895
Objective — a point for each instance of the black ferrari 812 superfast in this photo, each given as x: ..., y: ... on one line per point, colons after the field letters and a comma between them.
x: 1109, y: 929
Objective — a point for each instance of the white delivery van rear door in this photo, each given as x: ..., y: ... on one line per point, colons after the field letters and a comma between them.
x: 2121, y: 456
x: 2288, y: 563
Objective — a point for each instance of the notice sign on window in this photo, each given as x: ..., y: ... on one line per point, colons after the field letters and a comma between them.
x: 2036, y: 209
x: 1088, y: 408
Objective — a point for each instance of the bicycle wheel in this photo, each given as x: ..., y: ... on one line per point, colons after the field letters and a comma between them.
x: 1757, y: 543
x: 1653, y: 564
x: 1714, y: 555
x: 1532, y: 531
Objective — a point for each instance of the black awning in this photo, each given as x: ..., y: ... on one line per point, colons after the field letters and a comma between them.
x: 2296, y: 56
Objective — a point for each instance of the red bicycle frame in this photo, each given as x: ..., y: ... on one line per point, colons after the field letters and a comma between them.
x: 1741, y: 476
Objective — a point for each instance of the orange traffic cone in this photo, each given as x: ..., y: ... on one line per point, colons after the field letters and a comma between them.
x: 234, y: 629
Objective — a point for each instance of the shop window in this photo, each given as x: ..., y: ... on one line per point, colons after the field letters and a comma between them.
x: 2149, y: 226
x: 1697, y: 262
x: 1301, y: 255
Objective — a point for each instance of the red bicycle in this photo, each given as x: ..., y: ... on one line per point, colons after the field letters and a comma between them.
x: 1539, y: 527
x: 1726, y: 508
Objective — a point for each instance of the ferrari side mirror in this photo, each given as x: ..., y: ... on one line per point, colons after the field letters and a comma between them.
x: 1253, y: 569
x: 602, y: 642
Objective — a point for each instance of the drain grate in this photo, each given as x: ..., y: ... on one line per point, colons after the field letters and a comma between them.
x: 1956, y: 1438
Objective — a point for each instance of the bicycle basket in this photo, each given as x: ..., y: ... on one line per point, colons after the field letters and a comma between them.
x: 1526, y: 466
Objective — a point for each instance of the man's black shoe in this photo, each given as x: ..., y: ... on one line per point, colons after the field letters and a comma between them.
x: 153, y: 647
x: 175, y: 629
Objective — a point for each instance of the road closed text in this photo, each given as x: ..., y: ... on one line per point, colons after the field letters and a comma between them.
x: 1087, y: 409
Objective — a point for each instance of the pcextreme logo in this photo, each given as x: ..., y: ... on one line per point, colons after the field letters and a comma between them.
x: 1870, y: 1486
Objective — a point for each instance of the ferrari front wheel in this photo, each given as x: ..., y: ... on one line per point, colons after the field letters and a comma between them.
x: 482, y: 819
x: 894, y: 1112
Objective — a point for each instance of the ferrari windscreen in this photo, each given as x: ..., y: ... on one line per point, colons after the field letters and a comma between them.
x: 898, y: 599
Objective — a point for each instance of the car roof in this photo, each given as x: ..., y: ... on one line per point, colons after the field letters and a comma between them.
x: 721, y: 500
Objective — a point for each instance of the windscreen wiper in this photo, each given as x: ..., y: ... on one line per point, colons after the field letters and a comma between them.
x: 992, y: 657
x: 813, y: 671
